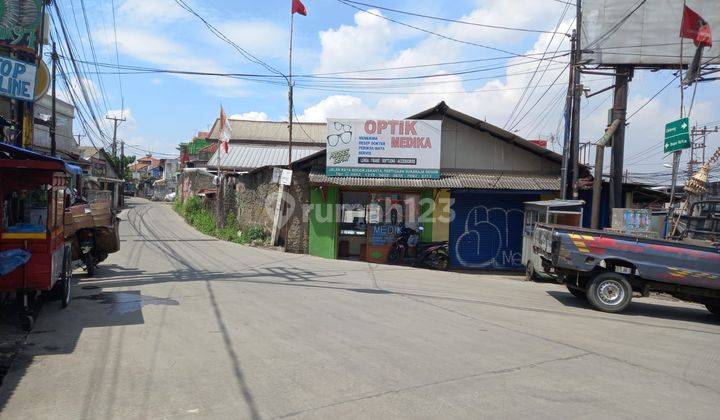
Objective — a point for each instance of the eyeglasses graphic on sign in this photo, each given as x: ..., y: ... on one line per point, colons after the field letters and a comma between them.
x: 345, y: 136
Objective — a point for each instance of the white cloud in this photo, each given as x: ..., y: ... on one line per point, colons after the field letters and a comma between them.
x: 147, y: 46
x: 359, y: 46
x: 151, y: 11
x: 251, y: 115
x: 262, y: 38
x: 336, y: 106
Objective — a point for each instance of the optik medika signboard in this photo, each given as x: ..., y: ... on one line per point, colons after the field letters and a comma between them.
x: 383, y: 148
x: 677, y: 135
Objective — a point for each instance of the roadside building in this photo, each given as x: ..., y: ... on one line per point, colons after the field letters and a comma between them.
x: 254, y: 144
x: 65, y: 144
x: 101, y: 180
x: 475, y: 202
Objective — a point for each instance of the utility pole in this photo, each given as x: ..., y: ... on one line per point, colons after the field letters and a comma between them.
x: 290, y: 93
x: 53, y: 122
x: 79, y: 138
x: 567, y: 155
x: 116, y: 121
x: 577, y: 95
x: 121, y: 174
x: 698, y: 139
x: 623, y: 75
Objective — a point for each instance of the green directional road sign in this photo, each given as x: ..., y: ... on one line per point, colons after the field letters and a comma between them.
x: 677, y: 135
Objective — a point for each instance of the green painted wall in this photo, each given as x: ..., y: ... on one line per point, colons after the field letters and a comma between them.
x: 426, y: 214
x: 324, y: 222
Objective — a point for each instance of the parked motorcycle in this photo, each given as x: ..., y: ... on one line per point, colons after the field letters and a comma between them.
x: 86, y: 248
x: 400, y: 246
x: 435, y: 257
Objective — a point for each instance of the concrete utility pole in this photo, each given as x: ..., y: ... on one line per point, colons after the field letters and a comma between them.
x: 577, y: 96
x: 623, y: 75
x: 597, y: 184
x: 567, y: 154
x: 79, y: 138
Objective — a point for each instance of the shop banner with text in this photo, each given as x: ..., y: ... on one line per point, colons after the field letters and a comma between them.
x: 17, y: 79
x: 383, y: 148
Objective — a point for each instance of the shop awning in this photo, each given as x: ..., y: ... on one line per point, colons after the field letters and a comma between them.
x: 448, y: 179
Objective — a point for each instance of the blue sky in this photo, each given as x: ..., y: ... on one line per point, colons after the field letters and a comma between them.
x: 164, y: 110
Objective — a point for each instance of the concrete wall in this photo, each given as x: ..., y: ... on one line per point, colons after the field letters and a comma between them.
x: 255, y: 205
x: 193, y: 181
x: 297, y: 228
x: 464, y: 147
x: 253, y: 193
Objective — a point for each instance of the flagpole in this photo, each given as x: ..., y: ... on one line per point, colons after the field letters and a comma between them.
x: 290, y: 93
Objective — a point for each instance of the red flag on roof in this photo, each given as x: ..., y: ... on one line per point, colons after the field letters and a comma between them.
x: 298, y: 7
x: 694, y: 27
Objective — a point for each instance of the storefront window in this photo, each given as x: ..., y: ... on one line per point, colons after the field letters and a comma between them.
x: 353, y: 213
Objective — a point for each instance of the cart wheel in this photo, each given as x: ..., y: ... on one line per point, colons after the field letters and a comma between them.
x: 90, y: 265
x: 66, y: 290
x: 27, y: 321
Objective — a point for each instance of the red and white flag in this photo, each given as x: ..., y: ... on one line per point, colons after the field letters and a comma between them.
x: 298, y: 7
x: 224, y: 130
x: 694, y: 27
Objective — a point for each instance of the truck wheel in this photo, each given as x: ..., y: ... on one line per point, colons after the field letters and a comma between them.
x: 714, y: 308
x: 580, y: 294
x: 609, y: 292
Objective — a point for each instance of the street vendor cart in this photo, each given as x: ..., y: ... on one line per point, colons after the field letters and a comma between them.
x: 32, y: 195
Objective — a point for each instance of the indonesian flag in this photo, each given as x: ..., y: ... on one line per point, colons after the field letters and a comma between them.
x: 224, y: 130
x: 694, y: 27
x: 298, y: 7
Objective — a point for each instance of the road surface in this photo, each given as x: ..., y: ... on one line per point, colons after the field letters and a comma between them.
x: 180, y: 325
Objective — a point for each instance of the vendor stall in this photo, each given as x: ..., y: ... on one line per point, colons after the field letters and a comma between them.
x: 32, y: 194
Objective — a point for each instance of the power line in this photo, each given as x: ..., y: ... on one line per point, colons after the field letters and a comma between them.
x: 117, y: 60
x: 463, y: 22
x: 249, y: 56
x: 522, y: 96
x: 427, y: 31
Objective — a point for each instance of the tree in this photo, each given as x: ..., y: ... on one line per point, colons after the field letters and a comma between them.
x: 127, y: 174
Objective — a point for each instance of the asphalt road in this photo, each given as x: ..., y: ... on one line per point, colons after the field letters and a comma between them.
x: 178, y: 324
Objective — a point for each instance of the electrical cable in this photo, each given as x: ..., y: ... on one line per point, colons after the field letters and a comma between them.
x: 463, y: 22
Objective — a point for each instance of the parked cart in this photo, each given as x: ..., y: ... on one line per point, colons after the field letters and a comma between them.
x: 33, y: 193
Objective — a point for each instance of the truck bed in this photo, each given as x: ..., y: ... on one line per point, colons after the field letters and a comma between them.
x: 583, y: 250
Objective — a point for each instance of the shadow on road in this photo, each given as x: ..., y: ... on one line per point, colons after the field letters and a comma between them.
x: 654, y: 310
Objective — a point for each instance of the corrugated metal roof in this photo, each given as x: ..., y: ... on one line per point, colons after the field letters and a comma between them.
x: 449, y: 179
x: 273, y: 131
x: 243, y: 158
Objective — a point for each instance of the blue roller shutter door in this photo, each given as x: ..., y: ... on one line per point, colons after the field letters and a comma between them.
x: 486, y: 232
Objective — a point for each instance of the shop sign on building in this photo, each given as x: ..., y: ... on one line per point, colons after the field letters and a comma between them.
x: 17, y: 79
x: 383, y: 148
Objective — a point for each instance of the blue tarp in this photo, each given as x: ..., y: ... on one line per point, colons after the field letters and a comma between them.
x: 73, y: 169
x: 12, y: 259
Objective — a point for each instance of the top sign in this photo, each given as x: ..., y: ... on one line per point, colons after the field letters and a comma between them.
x: 383, y: 148
x: 17, y: 79
x: 677, y: 135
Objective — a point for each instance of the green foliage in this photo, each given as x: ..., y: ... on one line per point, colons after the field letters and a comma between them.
x: 195, y: 213
x: 128, y: 160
